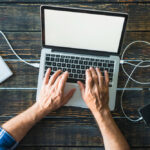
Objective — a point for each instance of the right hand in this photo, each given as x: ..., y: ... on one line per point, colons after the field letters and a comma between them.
x: 95, y: 92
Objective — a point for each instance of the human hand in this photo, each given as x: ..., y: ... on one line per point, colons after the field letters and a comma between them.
x: 52, y: 92
x: 95, y: 92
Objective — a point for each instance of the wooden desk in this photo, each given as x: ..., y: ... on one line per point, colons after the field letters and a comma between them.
x: 71, y: 128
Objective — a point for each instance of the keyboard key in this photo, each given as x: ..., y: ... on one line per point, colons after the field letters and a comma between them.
x: 48, y: 63
x: 66, y: 60
x: 82, y: 67
x: 55, y: 69
x: 54, y: 64
x: 78, y: 71
x: 73, y: 70
x: 76, y: 61
x: 87, y: 67
x: 95, y: 63
x: 76, y: 76
x: 47, y: 58
x: 72, y: 57
x: 111, y: 62
x: 69, y: 70
x: 90, y: 63
x: 85, y: 63
x: 68, y: 65
x: 80, y: 62
x: 61, y: 60
x: 52, y: 59
x: 70, y: 75
x: 77, y: 57
x: 78, y: 66
x: 80, y: 76
x: 62, y: 56
x: 63, y: 65
x: 64, y: 69
x: 111, y: 70
x: 99, y: 64
x: 58, y: 64
x: 73, y: 66
x: 74, y: 80
x: 57, y: 59
x: 57, y: 55
x: 53, y: 55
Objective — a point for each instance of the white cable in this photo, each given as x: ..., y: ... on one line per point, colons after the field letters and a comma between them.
x: 124, y: 90
x: 122, y: 61
x: 36, y: 65
x: 129, y: 76
x: 143, y: 66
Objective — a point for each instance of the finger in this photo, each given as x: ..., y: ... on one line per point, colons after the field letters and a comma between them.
x: 106, y: 78
x: 94, y: 75
x: 68, y: 96
x: 63, y: 81
x: 100, y: 77
x: 82, y: 87
x: 58, y: 80
x: 47, y: 75
x: 54, y: 77
x: 89, y: 80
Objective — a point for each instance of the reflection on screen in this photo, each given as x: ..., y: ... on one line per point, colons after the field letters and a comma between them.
x: 82, y: 30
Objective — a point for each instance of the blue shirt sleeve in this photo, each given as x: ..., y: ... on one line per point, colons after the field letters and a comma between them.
x: 7, y: 142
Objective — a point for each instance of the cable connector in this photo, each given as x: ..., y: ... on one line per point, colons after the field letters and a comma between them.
x: 121, y: 61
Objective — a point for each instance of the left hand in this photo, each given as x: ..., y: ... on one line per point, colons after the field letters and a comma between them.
x: 52, y: 92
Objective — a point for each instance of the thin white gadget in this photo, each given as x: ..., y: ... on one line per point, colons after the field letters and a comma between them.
x: 75, y: 39
x: 5, y: 72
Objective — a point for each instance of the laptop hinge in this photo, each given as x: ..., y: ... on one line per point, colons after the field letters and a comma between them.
x: 84, y: 52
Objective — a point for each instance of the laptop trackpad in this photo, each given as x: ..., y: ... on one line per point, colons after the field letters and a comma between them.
x: 76, y: 100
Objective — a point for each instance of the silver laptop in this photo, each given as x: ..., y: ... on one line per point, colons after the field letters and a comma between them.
x: 74, y: 39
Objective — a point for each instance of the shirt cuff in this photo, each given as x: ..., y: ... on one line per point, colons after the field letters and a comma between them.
x: 6, y: 140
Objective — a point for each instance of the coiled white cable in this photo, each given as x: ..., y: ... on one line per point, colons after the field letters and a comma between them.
x: 36, y: 65
x: 129, y: 76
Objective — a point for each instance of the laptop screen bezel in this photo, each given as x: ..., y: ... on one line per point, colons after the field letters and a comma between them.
x: 82, y: 10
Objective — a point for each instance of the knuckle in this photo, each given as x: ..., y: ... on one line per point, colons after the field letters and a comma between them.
x: 90, y: 79
x: 95, y: 77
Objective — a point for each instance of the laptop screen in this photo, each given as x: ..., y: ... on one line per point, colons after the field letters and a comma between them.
x: 87, y: 31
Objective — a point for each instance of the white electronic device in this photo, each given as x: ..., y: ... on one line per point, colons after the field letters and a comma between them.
x: 5, y: 72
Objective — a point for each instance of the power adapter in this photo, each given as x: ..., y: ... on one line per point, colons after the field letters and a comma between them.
x: 5, y: 72
x: 145, y: 114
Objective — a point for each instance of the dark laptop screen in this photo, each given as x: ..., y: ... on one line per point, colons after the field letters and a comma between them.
x: 87, y: 31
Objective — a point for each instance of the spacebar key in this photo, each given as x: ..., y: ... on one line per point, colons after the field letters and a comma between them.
x: 74, y: 80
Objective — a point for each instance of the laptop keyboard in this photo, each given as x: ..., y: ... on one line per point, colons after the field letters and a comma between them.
x: 77, y: 65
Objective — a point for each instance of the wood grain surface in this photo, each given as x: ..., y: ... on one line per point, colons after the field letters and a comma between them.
x: 71, y: 128
x: 29, y: 18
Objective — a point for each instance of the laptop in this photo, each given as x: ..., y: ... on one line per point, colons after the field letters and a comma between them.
x: 74, y: 39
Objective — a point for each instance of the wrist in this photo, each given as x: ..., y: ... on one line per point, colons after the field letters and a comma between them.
x: 38, y: 112
x: 102, y: 115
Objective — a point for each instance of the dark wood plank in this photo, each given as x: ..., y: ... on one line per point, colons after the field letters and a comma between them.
x: 58, y: 148
x: 82, y: 132
x: 26, y: 17
x: 69, y: 148
x: 73, y: 1
x: 28, y: 45
x: 13, y: 102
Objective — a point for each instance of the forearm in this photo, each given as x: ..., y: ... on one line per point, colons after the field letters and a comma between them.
x: 113, y: 138
x: 22, y: 123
